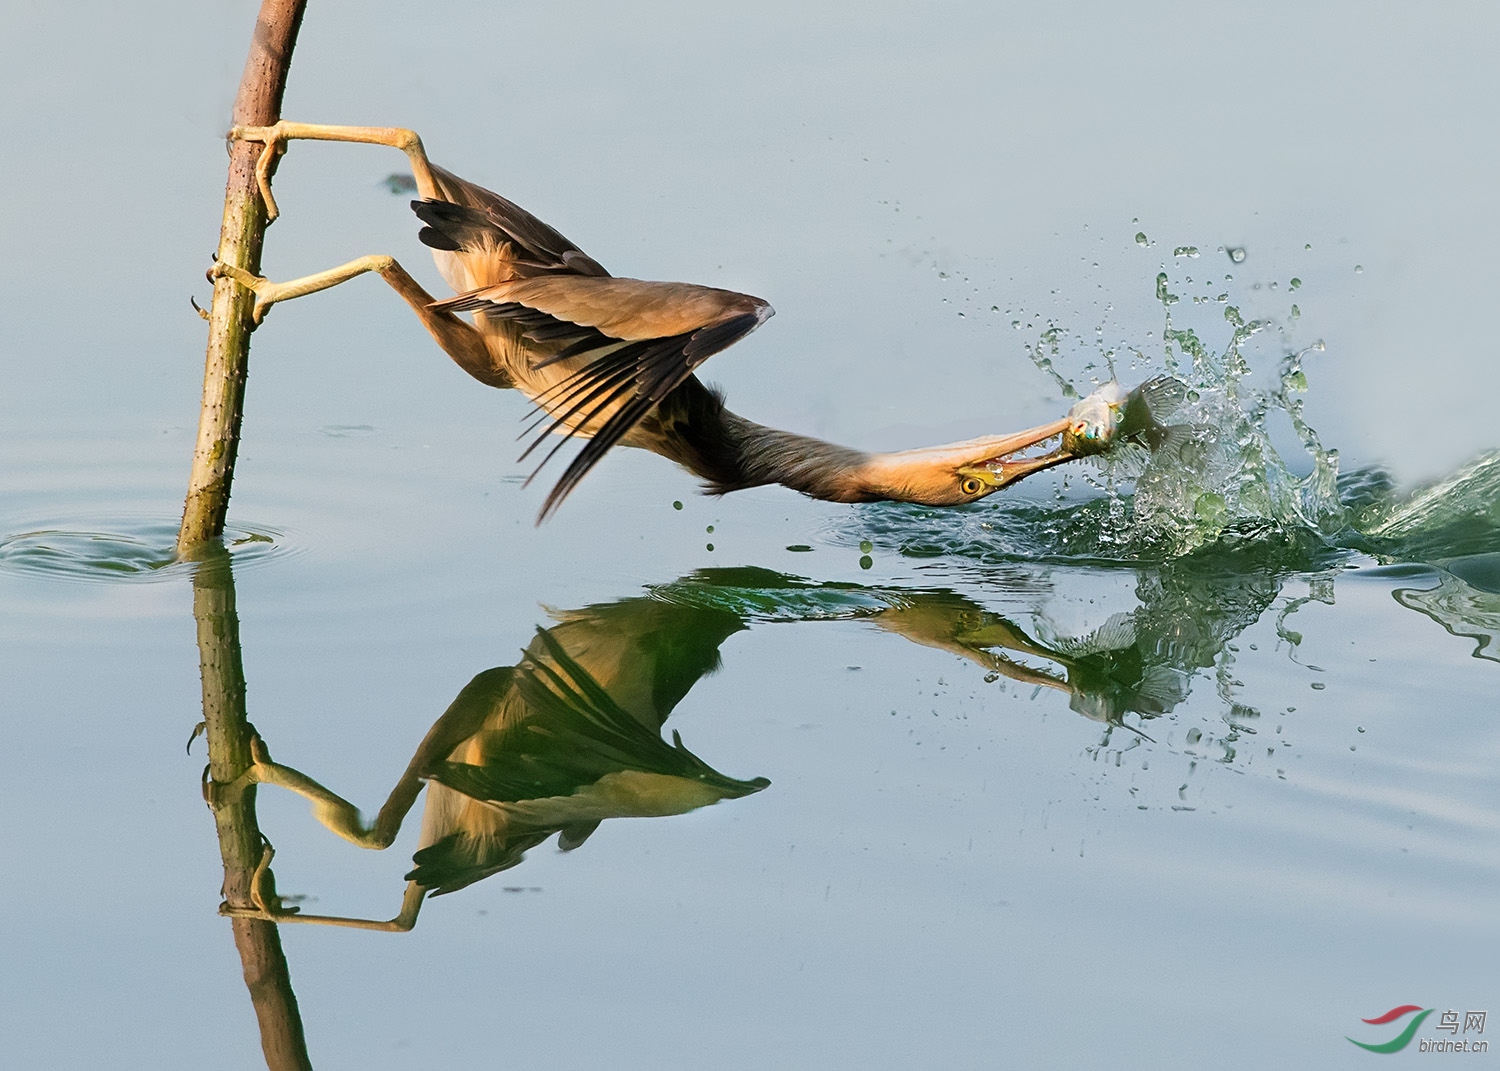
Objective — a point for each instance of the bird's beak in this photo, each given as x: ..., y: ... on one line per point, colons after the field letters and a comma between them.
x: 1000, y: 468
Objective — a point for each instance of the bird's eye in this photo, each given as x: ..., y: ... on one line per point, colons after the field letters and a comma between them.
x: 970, y: 486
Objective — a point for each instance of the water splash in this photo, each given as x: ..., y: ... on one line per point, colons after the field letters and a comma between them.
x: 1219, y: 471
x: 1456, y: 516
x: 1240, y: 479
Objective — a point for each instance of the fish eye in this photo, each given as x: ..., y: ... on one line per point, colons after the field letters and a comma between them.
x: 970, y: 486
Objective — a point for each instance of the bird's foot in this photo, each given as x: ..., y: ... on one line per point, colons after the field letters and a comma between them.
x: 275, y: 139
x: 267, y: 293
x: 261, y: 769
x: 265, y: 902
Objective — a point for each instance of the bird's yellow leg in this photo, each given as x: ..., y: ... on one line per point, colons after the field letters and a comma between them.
x: 329, y: 808
x: 459, y: 340
x: 266, y: 903
x: 276, y: 137
x: 268, y: 293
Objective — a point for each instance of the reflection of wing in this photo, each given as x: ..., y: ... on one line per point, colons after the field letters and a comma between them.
x: 575, y: 758
x: 576, y: 735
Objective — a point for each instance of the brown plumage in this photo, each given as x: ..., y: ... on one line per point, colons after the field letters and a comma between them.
x: 612, y: 360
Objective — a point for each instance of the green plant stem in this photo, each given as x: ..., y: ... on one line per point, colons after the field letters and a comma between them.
x: 258, y: 103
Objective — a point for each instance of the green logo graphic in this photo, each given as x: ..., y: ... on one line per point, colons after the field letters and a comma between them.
x: 1401, y: 1040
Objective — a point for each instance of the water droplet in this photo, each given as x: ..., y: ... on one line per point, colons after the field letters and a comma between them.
x: 1359, y: 269
x: 710, y: 546
x: 1210, y: 506
x: 1317, y: 686
x: 709, y: 529
x: 1296, y: 313
x: 676, y: 505
x: 1359, y: 728
x: 1307, y: 246
x: 1140, y: 238
x: 1185, y: 251
x: 1295, y: 283
x: 866, y: 561
x: 865, y: 546
x: 1236, y: 253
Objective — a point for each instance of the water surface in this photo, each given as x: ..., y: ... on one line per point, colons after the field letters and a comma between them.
x: 1124, y: 768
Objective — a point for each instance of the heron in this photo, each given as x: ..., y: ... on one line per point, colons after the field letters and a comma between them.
x: 613, y: 360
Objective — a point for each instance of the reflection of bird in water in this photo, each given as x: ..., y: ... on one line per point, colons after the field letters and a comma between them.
x: 554, y: 745
x: 612, y: 360
x: 571, y: 735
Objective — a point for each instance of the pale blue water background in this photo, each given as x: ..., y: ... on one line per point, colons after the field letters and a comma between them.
x: 970, y: 881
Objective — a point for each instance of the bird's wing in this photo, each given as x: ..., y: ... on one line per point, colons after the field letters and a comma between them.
x: 649, y: 337
x: 501, y: 239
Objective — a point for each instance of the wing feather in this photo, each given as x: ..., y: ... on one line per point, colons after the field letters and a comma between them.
x: 659, y: 370
x: 647, y: 337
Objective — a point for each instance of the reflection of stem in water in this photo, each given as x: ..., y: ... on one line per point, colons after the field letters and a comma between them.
x: 240, y: 841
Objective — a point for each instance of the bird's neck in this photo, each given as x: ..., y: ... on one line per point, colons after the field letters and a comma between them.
x: 730, y: 453
x: 817, y: 468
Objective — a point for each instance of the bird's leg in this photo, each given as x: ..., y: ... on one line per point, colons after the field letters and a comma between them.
x: 268, y: 293
x: 272, y: 909
x: 335, y: 812
x: 276, y: 137
x: 459, y: 340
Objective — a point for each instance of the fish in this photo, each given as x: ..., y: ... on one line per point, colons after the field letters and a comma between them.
x: 1111, y: 415
x: 1094, y: 422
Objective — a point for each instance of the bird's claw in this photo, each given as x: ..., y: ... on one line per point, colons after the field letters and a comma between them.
x: 221, y: 793
x: 265, y: 291
x: 265, y: 903
x: 275, y: 144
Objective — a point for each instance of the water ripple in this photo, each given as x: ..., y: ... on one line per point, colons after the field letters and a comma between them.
x: 130, y: 549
